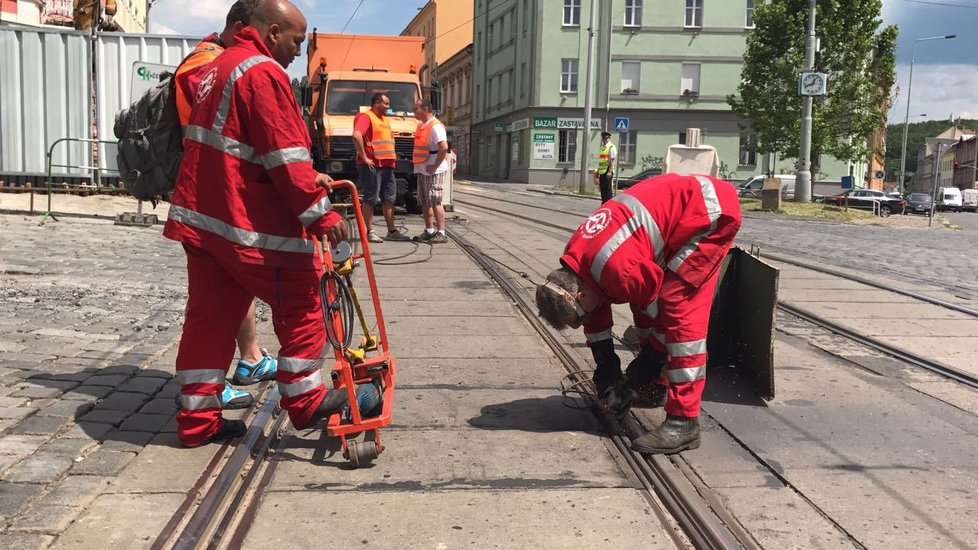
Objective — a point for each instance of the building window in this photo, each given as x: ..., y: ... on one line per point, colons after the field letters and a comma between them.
x: 630, y: 75
x: 523, y: 79
x: 568, y: 75
x: 633, y: 13
x: 567, y: 146
x: 489, y: 43
x: 748, y: 149
x: 626, y: 149
x: 750, y: 14
x: 690, y: 83
x: 572, y: 12
x: 682, y: 138
x: 694, y: 13
x: 526, y: 14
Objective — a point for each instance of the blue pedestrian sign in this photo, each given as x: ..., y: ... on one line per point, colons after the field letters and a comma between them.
x: 621, y: 124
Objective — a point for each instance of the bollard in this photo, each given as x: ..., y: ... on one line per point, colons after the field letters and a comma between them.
x: 771, y: 194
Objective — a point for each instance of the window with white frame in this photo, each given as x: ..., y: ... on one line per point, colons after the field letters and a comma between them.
x: 694, y: 13
x: 750, y: 14
x: 568, y: 75
x: 748, y: 149
x: 566, y: 145
x: 690, y: 83
x: 633, y: 13
x: 626, y: 149
x: 572, y: 12
x: 631, y: 73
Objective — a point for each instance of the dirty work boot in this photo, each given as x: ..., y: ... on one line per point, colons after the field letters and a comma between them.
x: 395, y: 235
x: 677, y: 433
x: 230, y: 399
x: 230, y: 429
x: 333, y: 402
x: 252, y: 373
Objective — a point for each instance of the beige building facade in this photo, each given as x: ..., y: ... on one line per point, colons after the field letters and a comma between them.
x: 455, y: 76
x: 447, y: 28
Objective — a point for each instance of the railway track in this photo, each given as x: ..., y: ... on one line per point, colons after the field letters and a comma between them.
x: 891, y: 350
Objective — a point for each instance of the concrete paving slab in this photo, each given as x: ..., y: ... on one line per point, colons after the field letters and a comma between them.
x: 860, y: 296
x: 557, y: 518
x: 21, y: 445
x: 144, y: 422
x: 120, y: 521
x: 454, y: 326
x: 74, y: 490
x: 41, y: 425
x: 47, y: 519
x: 151, y: 471
x: 485, y: 408
x: 113, y: 418
x: 490, y: 373
x: 24, y: 541
x: 488, y: 346
x: 123, y: 401
x: 103, y: 462
x: 780, y: 518
x: 426, y: 308
x: 42, y: 467
x: 13, y: 496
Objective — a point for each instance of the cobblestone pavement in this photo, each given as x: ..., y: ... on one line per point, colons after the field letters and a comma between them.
x: 92, y: 314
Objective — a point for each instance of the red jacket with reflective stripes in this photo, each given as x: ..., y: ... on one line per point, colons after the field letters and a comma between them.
x: 681, y: 223
x: 246, y: 188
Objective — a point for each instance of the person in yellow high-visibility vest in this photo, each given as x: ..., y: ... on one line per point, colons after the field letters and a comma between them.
x: 607, y: 154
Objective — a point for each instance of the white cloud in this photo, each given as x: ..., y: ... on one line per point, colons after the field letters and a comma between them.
x: 938, y: 90
x: 155, y: 27
x: 190, y: 17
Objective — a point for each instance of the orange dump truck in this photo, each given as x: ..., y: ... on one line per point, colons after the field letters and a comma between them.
x: 345, y: 71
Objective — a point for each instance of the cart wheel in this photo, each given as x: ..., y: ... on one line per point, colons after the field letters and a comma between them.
x: 360, y: 454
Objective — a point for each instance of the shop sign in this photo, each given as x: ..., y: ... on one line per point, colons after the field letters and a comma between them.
x: 521, y: 124
x: 545, y: 122
x: 544, y: 147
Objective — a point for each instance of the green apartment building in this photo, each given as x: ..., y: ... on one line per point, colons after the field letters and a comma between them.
x: 667, y: 65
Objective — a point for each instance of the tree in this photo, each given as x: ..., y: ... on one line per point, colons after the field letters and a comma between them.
x: 856, y: 53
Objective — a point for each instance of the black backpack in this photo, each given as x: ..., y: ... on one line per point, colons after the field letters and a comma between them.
x: 151, y: 141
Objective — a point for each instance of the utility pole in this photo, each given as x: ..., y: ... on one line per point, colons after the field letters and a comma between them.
x: 937, y: 177
x: 803, y: 189
x: 587, y: 97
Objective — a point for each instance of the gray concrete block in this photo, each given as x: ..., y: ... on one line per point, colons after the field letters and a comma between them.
x: 66, y: 409
x: 120, y: 521
x: 129, y: 441
x: 87, y: 430
x: 6, y: 461
x: 41, y: 425
x: 21, y: 445
x: 50, y: 520
x: 142, y: 422
x: 41, y: 467
x: 34, y: 391
x: 103, y: 379
x: 147, y: 385
x: 87, y: 392
x: 14, y: 495
x: 103, y: 462
x: 15, y: 413
x: 122, y: 401
x: 164, y: 405
x: 25, y: 541
x: 74, y: 490
x: 124, y: 370
x: 104, y: 417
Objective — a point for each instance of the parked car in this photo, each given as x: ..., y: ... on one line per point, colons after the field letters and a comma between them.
x: 919, y: 203
x: 949, y: 198
x: 868, y: 199
x: 625, y: 183
x: 969, y: 200
x: 752, y: 187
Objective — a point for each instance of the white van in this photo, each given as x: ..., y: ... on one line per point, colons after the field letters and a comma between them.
x: 752, y: 187
x: 949, y: 198
x: 969, y: 200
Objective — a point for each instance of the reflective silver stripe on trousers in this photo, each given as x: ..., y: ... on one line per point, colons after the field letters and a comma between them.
x: 238, y: 235
x: 712, y: 204
x: 294, y: 364
x: 198, y: 402
x: 692, y: 374
x: 316, y: 211
x: 291, y: 155
x: 228, y: 91
x: 598, y: 336
x: 201, y: 376
x: 640, y: 218
x: 222, y: 143
x: 311, y: 382
x: 687, y: 349
x: 652, y: 310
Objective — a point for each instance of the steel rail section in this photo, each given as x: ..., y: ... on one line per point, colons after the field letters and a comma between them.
x: 547, y: 208
x: 703, y: 524
x: 891, y: 350
x: 874, y: 284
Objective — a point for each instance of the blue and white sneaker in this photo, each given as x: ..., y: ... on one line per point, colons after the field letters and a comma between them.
x: 252, y: 373
x: 230, y: 399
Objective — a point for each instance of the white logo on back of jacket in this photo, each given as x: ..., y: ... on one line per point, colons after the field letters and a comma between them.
x: 596, y: 223
x: 206, y: 85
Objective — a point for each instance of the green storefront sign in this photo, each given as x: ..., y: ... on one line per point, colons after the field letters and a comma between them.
x: 549, y: 122
x: 543, y: 138
x: 498, y: 127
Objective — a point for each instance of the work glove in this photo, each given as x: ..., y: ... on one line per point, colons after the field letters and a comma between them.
x: 643, y: 378
x: 608, y: 369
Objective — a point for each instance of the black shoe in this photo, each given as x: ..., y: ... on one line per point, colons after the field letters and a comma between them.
x: 230, y: 429
x: 677, y: 433
x: 333, y: 402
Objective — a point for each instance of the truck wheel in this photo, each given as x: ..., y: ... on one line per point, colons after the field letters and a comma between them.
x: 411, y: 204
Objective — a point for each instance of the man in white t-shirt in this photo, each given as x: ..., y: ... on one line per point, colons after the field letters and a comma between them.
x: 430, y: 152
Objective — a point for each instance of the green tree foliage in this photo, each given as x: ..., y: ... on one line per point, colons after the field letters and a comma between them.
x: 917, y: 132
x: 858, y: 56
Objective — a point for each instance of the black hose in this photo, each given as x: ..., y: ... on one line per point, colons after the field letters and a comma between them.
x: 343, y: 304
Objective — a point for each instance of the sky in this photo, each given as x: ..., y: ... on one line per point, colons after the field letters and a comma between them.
x: 945, y: 73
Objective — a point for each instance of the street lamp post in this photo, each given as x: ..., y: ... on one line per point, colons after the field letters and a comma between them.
x: 906, y: 118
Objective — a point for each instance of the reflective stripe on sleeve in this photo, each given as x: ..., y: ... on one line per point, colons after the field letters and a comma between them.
x: 593, y: 337
x: 316, y: 211
x: 198, y: 402
x: 311, y: 382
x: 240, y: 236
x: 292, y: 155
x: 692, y: 374
x: 712, y: 205
x: 201, y: 376
x: 640, y: 218
x: 222, y: 143
x: 222, y: 110
x: 294, y: 364
x: 687, y: 349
